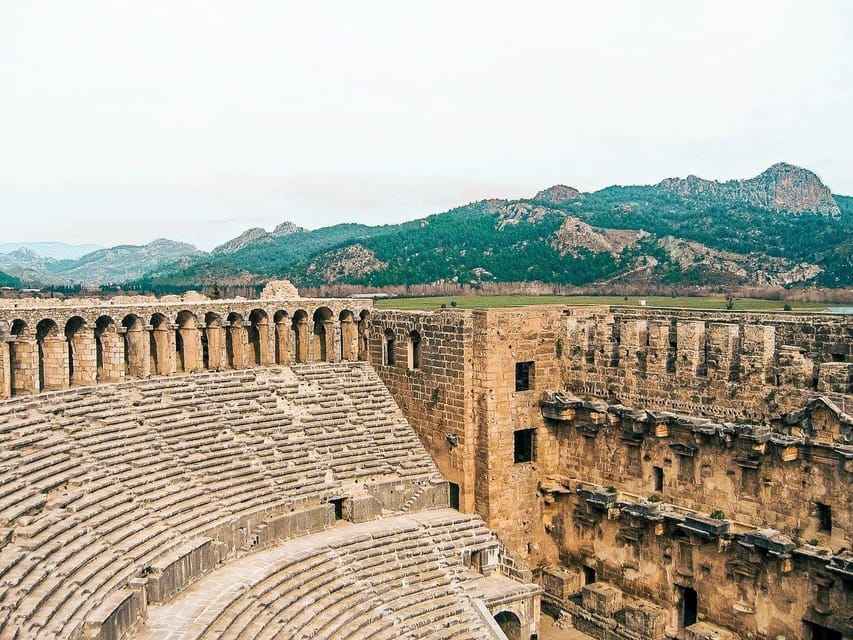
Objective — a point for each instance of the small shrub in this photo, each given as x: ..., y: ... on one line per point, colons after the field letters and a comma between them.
x: 786, y: 306
x: 559, y: 348
x: 813, y: 542
x: 453, y: 303
x: 654, y: 498
x: 716, y: 514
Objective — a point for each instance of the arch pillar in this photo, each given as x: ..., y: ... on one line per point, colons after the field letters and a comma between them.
x: 23, y: 367
x: 5, y: 370
x: 363, y: 352
x: 109, y: 356
x: 282, y: 348
x: 349, y: 339
x: 300, y: 343
x: 137, y: 361
x: 329, y: 335
x: 83, y: 353
x: 216, y: 358
x: 237, y: 339
x: 54, y: 362
x: 191, y: 340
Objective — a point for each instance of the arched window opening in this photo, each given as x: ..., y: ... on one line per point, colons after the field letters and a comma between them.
x: 414, y: 350
x: 389, y: 347
x: 324, y: 335
x: 363, y: 339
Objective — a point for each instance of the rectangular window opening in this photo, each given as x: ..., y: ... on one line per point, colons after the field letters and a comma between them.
x: 588, y: 575
x: 523, y: 376
x: 524, y: 446
x: 824, y: 517
x: 657, y: 477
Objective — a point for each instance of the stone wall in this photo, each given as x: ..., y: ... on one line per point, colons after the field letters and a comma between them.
x: 733, y: 365
x: 739, y: 416
x: 48, y: 347
x: 436, y: 395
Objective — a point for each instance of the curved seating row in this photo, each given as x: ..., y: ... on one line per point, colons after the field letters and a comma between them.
x: 99, y: 484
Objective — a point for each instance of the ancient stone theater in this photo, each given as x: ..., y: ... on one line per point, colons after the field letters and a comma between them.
x: 299, y: 468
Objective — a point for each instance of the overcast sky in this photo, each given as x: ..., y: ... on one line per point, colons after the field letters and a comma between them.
x: 121, y: 122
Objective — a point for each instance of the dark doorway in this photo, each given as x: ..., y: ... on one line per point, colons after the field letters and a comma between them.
x: 822, y: 633
x: 689, y: 606
x: 454, y: 495
x: 338, y: 503
x: 588, y: 575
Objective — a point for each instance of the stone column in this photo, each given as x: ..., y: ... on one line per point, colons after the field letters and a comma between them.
x: 281, y: 342
x: 349, y: 340
x: 329, y: 335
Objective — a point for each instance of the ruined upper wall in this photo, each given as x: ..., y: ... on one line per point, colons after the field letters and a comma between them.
x: 736, y: 365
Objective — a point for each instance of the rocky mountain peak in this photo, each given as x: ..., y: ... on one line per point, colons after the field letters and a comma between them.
x: 782, y: 187
x: 557, y: 194
x: 249, y: 236
x: 286, y: 228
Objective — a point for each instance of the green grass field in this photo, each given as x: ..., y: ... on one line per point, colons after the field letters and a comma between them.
x: 493, y: 302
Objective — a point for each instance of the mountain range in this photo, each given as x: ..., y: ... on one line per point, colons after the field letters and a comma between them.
x: 783, y: 227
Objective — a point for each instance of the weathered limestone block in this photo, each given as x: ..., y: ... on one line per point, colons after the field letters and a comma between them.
x: 175, y: 572
x: 835, y: 377
x: 758, y: 348
x: 658, y: 352
x: 722, y: 355
x: 705, y: 631
x: 561, y: 582
x: 646, y: 619
x: 117, y: 616
x: 690, y: 355
x: 794, y: 368
x: 602, y: 598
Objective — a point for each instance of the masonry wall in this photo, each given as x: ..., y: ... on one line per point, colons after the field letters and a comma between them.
x: 436, y: 396
x: 507, y: 491
x: 732, y: 365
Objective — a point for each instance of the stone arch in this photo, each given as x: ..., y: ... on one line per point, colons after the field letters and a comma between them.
x: 324, y: 335
x: 52, y: 356
x: 349, y: 335
x: 136, y: 347
x: 510, y: 624
x: 414, y: 349
x: 235, y: 341
x: 281, y: 321
x: 258, y: 337
x: 109, y: 359
x: 212, y: 342
x: 82, y: 367
x: 363, y: 337
x: 187, y: 343
x: 300, y: 336
x: 23, y: 360
x: 162, y: 346
x: 388, y: 346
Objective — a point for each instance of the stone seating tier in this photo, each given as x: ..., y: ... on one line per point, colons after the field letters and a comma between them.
x: 97, y: 485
